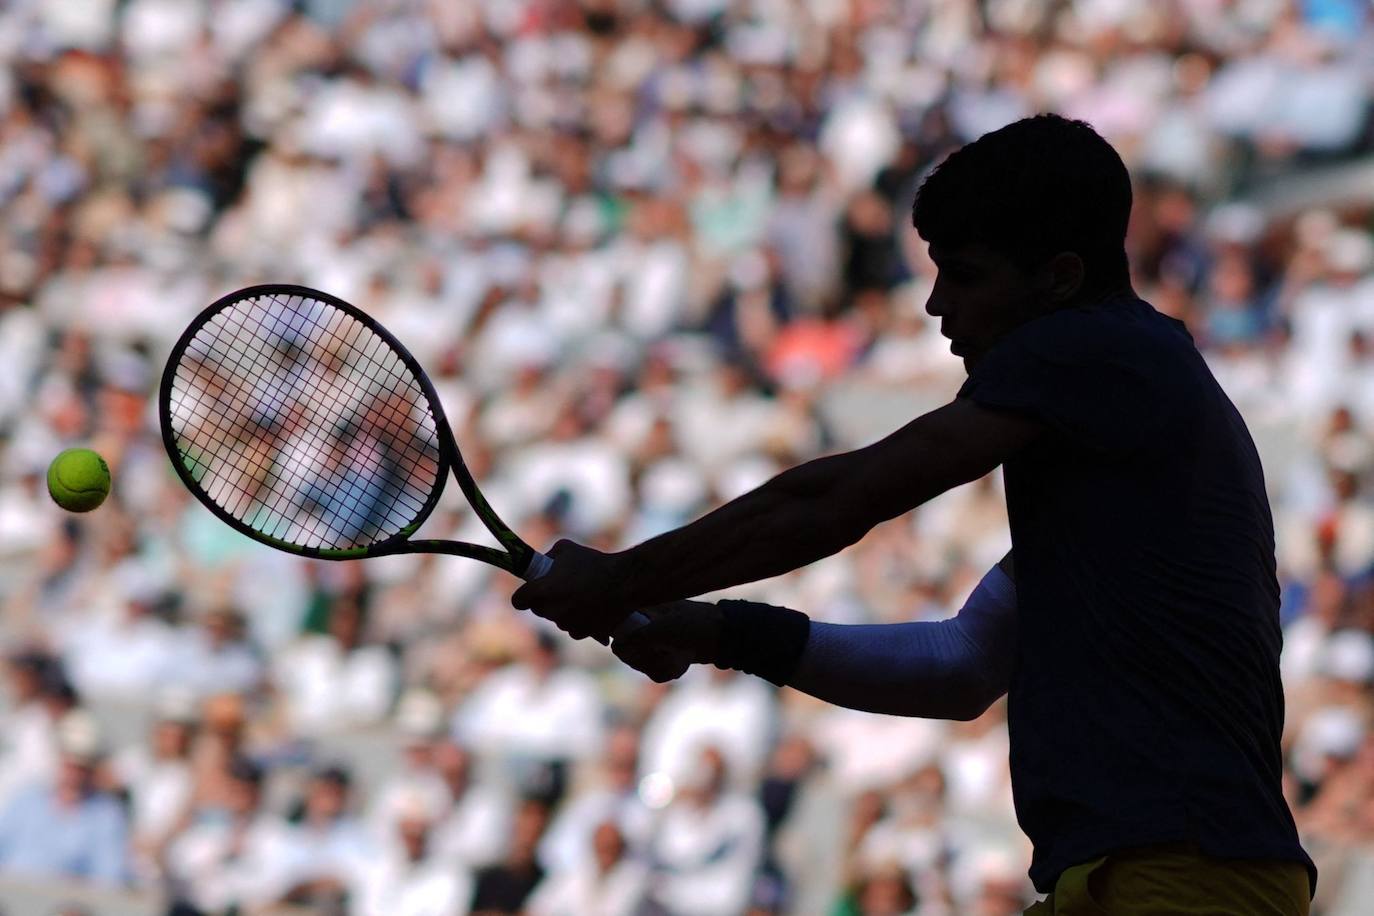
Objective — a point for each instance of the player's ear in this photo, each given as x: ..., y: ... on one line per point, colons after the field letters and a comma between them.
x: 1063, y: 276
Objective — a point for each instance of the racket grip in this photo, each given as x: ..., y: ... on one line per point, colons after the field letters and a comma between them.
x: 541, y: 564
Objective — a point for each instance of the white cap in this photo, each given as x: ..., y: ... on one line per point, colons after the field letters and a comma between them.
x: 1349, y: 656
x: 79, y: 736
x: 673, y: 484
x: 1333, y: 731
x: 177, y: 704
x: 1349, y: 251
x: 420, y: 714
x: 1237, y: 223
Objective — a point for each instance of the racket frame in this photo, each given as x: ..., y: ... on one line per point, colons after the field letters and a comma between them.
x: 517, y: 557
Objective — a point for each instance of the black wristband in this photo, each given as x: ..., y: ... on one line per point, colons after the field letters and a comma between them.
x: 762, y: 639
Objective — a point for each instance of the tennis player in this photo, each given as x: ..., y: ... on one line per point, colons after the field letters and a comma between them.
x: 1136, y: 635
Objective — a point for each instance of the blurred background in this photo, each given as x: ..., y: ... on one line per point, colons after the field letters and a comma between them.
x: 652, y: 252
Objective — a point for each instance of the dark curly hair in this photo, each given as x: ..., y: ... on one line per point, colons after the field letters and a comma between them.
x: 1030, y: 190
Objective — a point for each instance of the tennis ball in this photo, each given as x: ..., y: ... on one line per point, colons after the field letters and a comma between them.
x: 78, y: 480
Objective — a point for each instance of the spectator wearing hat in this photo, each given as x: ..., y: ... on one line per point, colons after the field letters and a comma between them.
x: 69, y: 828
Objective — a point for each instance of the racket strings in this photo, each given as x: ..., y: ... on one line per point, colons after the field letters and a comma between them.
x: 303, y: 423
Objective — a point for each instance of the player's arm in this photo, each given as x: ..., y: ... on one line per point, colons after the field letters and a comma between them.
x: 802, y: 515
x: 947, y: 669
x: 819, y: 508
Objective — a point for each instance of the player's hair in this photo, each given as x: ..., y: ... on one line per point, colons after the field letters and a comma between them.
x: 1030, y: 190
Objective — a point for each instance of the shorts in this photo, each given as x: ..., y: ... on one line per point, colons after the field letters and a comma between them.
x: 1177, y: 879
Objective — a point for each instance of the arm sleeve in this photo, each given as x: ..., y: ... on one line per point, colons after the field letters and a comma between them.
x: 947, y: 669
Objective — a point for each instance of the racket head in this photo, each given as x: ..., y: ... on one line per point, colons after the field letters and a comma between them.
x: 319, y: 360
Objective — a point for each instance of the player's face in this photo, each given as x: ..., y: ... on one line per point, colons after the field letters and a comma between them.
x: 979, y: 296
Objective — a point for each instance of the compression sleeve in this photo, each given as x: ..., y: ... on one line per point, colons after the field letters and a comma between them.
x: 947, y: 669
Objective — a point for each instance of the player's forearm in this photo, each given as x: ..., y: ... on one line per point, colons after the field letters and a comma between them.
x: 792, y: 520
x: 912, y: 669
x: 949, y: 669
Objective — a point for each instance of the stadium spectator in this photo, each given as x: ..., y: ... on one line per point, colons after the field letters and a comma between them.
x: 157, y: 778
x: 70, y: 828
x: 609, y: 882
x: 706, y: 846
x: 409, y: 879
x: 475, y: 829
x: 336, y: 679
x: 537, y: 716
x: 234, y: 854
x: 328, y: 846
x: 30, y: 746
x: 504, y: 888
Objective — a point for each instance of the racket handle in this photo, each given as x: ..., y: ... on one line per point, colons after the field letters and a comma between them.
x: 540, y: 566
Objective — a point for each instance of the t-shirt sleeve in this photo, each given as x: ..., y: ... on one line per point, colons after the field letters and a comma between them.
x: 1075, y: 376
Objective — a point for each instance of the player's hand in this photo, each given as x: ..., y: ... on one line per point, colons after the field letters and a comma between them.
x: 583, y: 593
x: 678, y: 635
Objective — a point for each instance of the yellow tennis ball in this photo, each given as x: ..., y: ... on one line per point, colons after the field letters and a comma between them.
x: 78, y: 480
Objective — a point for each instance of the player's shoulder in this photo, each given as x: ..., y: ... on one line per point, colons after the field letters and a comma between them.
x: 1115, y: 325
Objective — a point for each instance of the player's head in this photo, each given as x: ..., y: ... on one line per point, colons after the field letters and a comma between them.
x: 1022, y: 221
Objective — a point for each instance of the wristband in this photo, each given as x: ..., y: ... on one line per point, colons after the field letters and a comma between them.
x: 762, y: 639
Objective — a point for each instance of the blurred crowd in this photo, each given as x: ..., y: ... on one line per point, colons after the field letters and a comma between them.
x: 651, y: 252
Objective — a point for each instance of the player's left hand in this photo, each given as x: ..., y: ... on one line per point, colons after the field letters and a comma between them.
x: 583, y: 593
x: 678, y: 635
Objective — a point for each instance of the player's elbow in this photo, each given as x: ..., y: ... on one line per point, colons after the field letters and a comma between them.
x: 972, y: 696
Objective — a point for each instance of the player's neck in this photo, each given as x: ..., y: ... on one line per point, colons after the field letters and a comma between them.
x: 1099, y: 294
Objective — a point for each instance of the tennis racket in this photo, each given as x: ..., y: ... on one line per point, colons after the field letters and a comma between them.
x: 302, y: 423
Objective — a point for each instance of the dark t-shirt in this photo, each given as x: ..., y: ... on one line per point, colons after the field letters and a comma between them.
x: 1145, y: 705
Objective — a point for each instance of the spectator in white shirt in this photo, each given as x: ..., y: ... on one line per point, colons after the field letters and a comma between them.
x: 215, y: 656
x: 159, y: 779
x: 710, y: 707
x: 534, y: 712
x: 610, y: 794
x: 329, y: 846
x: 336, y: 681
x: 124, y: 656
x: 29, y: 741
x: 237, y: 855
x: 410, y: 878
x: 420, y: 719
x: 707, y: 846
x: 473, y: 832
x: 607, y: 883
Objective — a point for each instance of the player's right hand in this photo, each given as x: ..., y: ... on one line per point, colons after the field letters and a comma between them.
x: 583, y: 593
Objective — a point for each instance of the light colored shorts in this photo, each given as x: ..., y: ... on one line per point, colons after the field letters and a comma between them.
x: 1177, y: 879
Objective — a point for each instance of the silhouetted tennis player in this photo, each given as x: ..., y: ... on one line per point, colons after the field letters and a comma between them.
x: 1139, y: 644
